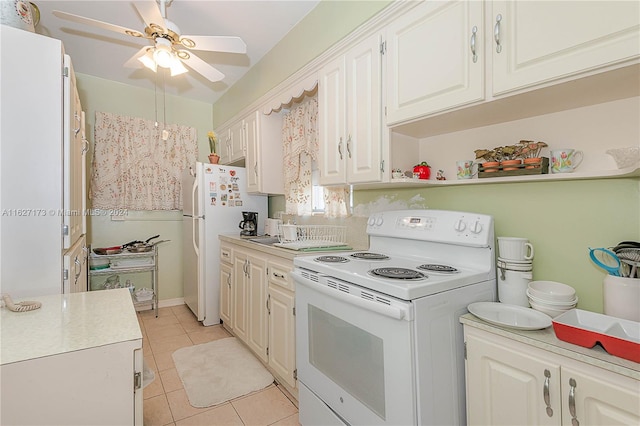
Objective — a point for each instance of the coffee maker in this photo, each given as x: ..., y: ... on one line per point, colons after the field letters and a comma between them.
x: 249, y: 224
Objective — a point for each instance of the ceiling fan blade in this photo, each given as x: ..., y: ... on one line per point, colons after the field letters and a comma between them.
x: 201, y: 67
x: 133, y: 62
x: 150, y: 13
x: 216, y: 43
x: 96, y: 23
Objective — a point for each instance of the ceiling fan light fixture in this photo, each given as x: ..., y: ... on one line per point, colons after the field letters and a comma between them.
x: 148, y: 60
x: 163, y: 54
x: 176, y: 67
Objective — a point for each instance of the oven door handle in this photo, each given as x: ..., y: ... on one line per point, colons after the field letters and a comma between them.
x: 386, y: 310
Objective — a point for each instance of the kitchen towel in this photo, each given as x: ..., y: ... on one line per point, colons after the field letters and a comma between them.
x: 218, y: 371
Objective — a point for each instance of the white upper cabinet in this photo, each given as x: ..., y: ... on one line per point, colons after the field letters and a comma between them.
x: 224, y: 141
x: 541, y: 41
x: 237, y: 142
x: 435, y: 59
x: 350, y: 116
x: 264, y: 161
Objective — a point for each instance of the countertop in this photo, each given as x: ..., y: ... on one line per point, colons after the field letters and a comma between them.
x: 66, y: 323
x: 546, y: 339
x: 273, y: 250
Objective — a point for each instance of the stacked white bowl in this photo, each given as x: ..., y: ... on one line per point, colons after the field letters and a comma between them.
x: 551, y: 297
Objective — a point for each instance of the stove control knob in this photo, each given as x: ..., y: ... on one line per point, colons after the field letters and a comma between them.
x: 459, y: 225
x: 476, y: 228
x: 379, y: 221
x: 371, y: 221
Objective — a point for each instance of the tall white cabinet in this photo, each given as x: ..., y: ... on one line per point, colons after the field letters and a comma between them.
x: 42, y: 175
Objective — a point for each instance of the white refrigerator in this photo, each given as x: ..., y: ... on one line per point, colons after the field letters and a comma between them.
x: 214, y: 197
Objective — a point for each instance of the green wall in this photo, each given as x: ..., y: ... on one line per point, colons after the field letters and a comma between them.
x: 97, y: 94
x: 562, y: 219
x: 325, y: 25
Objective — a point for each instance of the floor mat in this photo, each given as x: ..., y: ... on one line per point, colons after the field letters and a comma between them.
x: 218, y: 371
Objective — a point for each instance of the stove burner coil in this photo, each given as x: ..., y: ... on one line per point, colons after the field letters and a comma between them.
x: 331, y: 259
x: 398, y: 273
x: 369, y: 256
x: 438, y: 268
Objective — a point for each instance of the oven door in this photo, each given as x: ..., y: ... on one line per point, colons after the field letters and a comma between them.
x: 355, y: 351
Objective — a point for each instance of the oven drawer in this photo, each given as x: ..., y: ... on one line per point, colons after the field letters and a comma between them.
x: 316, y: 412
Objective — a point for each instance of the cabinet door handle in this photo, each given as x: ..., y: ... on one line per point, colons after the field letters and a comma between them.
x: 268, y: 307
x: 349, y: 146
x: 77, y: 117
x: 496, y: 33
x: 85, y: 145
x: 78, y: 268
x: 572, y: 402
x: 474, y: 32
x: 229, y: 281
x: 545, y: 393
x: 340, y: 147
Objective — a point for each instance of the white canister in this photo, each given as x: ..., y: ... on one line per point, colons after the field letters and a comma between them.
x: 622, y: 297
x: 512, y: 287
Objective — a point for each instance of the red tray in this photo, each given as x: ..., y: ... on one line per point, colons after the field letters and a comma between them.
x: 617, y: 336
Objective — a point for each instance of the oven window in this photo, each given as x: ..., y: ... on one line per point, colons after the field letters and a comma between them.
x: 350, y: 356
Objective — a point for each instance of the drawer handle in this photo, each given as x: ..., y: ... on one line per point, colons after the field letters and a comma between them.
x: 277, y: 275
x: 545, y: 393
x: 572, y: 402
x: 474, y: 32
x: 496, y: 33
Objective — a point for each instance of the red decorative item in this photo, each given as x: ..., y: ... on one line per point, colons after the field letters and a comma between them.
x: 423, y: 169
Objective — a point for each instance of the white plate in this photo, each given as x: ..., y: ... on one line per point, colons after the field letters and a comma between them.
x: 512, y: 316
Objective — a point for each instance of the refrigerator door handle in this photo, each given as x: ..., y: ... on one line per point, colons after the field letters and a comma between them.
x: 194, y: 200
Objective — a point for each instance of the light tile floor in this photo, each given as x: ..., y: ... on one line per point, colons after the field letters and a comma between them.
x: 165, y: 400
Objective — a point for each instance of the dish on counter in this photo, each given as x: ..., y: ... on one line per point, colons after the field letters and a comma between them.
x: 617, y: 336
x: 512, y: 316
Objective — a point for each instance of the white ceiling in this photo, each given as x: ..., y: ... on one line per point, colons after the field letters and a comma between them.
x: 102, y: 53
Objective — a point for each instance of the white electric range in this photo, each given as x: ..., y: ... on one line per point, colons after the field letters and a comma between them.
x: 378, y: 336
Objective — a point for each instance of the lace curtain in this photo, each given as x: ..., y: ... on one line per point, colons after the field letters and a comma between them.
x: 300, y: 146
x: 133, y: 168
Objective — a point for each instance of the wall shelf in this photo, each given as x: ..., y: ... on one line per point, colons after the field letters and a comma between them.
x: 629, y: 172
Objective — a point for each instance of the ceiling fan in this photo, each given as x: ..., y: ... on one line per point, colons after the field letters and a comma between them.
x: 170, y: 48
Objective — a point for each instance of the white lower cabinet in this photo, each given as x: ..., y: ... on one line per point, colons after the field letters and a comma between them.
x: 282, y: 326
x: 513, y: 383
x: 75, y: 361
x: 257, y: 306
x: 249, y: 294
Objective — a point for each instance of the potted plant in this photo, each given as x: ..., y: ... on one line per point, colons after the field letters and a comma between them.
x: 491, y: 159
x: 530, y: 152
x: 213, y: 139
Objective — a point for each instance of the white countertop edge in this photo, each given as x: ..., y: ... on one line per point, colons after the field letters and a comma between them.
x: 546, y: 339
